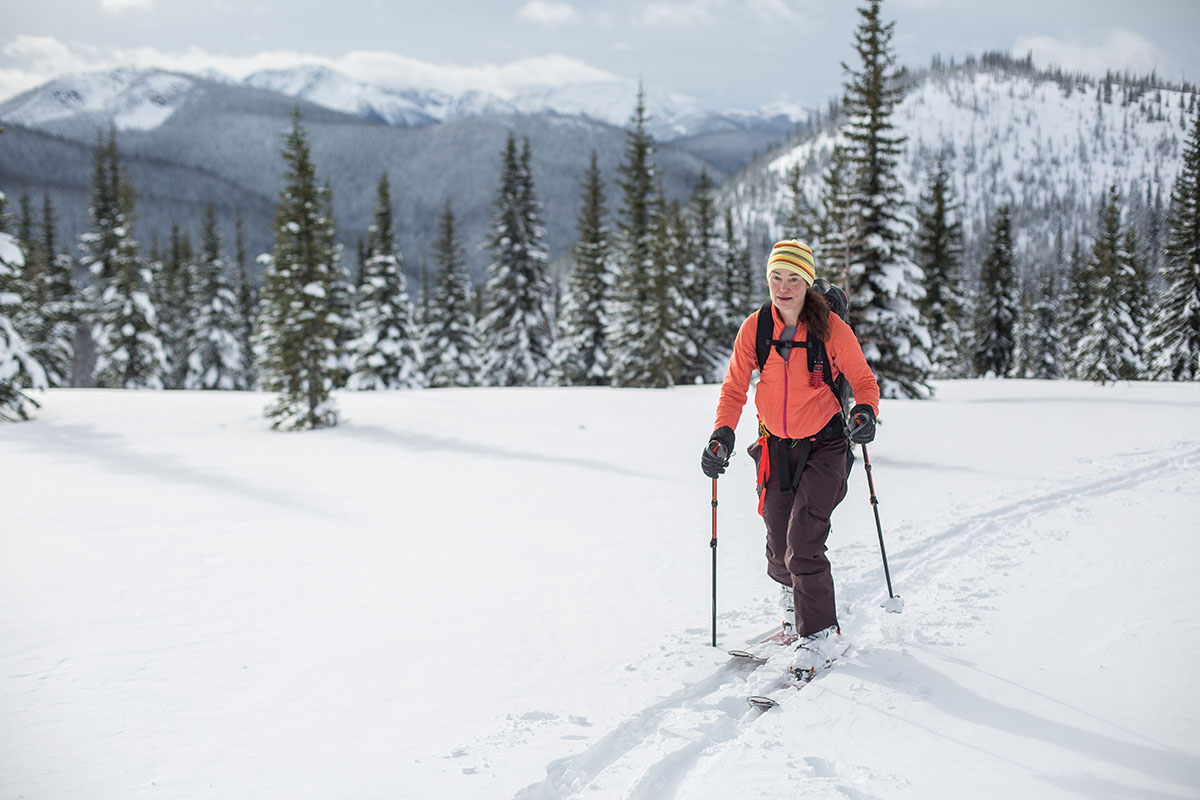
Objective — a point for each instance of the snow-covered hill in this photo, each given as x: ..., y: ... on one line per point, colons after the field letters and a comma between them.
x: 1049, y: 147
x: 130, y: 98
x: 505, y: 594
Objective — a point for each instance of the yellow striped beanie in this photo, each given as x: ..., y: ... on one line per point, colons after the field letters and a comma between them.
x: 794, y: 255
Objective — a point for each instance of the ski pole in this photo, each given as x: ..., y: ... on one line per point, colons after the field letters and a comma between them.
x: 713, y: 545
x: 894, y: 603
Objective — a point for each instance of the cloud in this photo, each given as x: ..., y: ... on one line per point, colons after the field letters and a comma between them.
x: 690, y: 13
x: 121, y: 6
x: 1117, y: 50
x: 38, y: 59
x: 548, y: 12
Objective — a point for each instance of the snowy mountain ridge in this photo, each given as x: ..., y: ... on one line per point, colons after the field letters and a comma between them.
x: 144, y: 98
x: 1048, y: 147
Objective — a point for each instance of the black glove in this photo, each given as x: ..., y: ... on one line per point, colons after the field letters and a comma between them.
x: 715, y: 458
x: 862, y: 424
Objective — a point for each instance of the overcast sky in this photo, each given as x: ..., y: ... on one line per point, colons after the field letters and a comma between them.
x: 722, y: 53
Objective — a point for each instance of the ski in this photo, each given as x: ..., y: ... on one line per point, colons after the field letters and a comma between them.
x: 782, y: 637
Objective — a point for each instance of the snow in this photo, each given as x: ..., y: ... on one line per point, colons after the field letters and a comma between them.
x: 490, y: 593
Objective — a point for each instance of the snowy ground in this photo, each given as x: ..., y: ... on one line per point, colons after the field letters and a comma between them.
x: 505, y: 594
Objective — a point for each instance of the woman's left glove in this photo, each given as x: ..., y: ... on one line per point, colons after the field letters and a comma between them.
x: 715, y: 458
x: 862, y: 424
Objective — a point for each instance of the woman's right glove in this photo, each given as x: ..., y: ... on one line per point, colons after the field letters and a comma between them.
x: 715, y: 458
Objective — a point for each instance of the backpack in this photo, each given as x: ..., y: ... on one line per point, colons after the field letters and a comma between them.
x: 818, y: 359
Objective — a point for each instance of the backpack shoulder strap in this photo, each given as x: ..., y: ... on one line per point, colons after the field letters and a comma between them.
x: 762, y: 335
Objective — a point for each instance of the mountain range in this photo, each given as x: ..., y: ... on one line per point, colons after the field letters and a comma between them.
x: 192, y: 140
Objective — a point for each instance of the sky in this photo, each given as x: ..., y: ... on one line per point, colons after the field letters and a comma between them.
x: 722, y: 54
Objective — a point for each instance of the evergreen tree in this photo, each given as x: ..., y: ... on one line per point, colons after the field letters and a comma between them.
x: 580, y: 353
x: 515, y: 328
x: 451, y: 347
x: 1077, y: 299
x: 48, y: 317
x: 939, y: 254
x: 798, y: 224
x: 885, y: 284
x: 703, y: 278
x: 996, y: 313
x: 247, y: 305
x: 686, y: 287
x: 631, y: 328
x: 739, y: 287
x: 385, y: 354
x: 1044, y: 349
x: 343, y: 299
x: 298, y: 331
x: 1108, y: 349
x: 19, y: 370
x: 129, y: 353
x: 838, y: 224
x: 215, y: 355
x: 175, y: 277
x: 1174, y: 340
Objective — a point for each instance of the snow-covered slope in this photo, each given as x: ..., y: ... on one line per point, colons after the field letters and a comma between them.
x: 331, y: 89
x: 1049, y: 148
x: 132, y: 98
x: 505, y: 593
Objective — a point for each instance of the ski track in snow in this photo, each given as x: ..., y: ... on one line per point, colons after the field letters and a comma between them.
x: 653, y: 754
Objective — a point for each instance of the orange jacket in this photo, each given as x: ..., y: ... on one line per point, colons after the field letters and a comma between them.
x: 787, y: 402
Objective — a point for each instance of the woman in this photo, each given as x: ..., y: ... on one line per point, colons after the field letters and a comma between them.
x: 802, y: 453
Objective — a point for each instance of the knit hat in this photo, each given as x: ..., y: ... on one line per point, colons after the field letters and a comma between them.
x: 794, y: 255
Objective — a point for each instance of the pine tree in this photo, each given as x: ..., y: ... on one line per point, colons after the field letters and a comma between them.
x: 738, y: 288
x: 451, y: 347
x: 798, y: 224
x: 703, y: 275
x: 631, y: 328
x: 939, y: 254
x: 19, y: 370
x: 996, y: 313
x: 686, y: 286
x: 1174, y: 339
x: 515, y: 328
x: 1108, y: 349
x: 838, y: 224
x: 580, y: 352
x: 54, y: 344
x: 129, y: 353
x: 215, y: 355
x: 385, y: 354
x: 1077, y: 299
x: 1044, y: 349
x: 298, y: 331
x: 885, y: 284
x: 247, y: 304
x: 174, y: 282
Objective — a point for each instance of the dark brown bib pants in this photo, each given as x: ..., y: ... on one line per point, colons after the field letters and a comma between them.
x: 798, y: 528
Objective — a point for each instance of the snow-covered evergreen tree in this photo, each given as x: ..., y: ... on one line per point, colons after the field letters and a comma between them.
x: 343, y: 299
x: 736, y: 288
x: 939, y: 254
x: 703, y: 278
x: 580, y: 353
x: 451, y: 344
x: 1174, y: 340
x: 19, y: 370
x: 298, y: 329
x: 885, y: 284
x: 1108, y: 349
x: 129, y: 353
x: 215, y: 355
x: 799, y: 222
x: 998, y: 303
x: 247, y: 300
x: 677, y: 259
x: 837, y: 227
x: 385, y: 354
x: 632, y: 329
x: 515, y: 329
x: 175, y: 277
x: 1043, y: 348
x: 53, y: 344
x: 1077, y: 299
